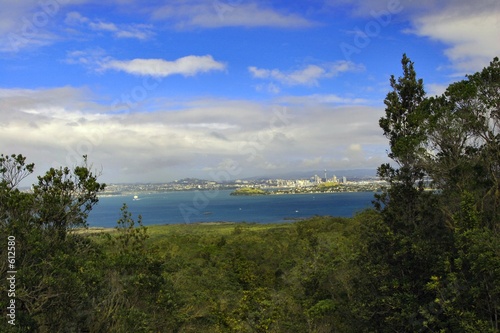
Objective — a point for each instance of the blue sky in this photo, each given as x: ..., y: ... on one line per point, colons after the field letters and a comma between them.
x: 155, y: 91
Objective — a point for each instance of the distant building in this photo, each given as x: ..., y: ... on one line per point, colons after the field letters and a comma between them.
x: 344, y: 180
x: 316, y: 179
x: 302, y: 182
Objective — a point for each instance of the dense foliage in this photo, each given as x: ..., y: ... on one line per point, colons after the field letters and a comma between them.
x: 436, y: 264
x: 426, y: 259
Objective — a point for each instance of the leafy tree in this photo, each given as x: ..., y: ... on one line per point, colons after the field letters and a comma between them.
x: 403, y: 126
x: 433, y: 258
x: 57, y: 269
x: 402, y: 121
x: 404, y: 249
x: 464, y: 163
x: 64, y: 198
x: 139, y: 297
x: 464, y: 143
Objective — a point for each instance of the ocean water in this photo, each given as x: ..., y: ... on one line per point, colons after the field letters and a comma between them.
x: 217, y: 206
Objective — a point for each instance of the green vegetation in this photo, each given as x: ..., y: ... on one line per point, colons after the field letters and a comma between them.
x: 240, y: 277
x: 433, y: 261
x: 249, y: 191
x: 420, y: 261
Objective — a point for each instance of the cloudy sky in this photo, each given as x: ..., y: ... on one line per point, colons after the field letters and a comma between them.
x: 155, y: 91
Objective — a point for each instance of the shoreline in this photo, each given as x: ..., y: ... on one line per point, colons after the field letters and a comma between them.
x: 274, y: 192
x: 99, y: 230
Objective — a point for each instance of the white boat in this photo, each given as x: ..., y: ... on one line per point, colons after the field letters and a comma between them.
x: 136, y: 197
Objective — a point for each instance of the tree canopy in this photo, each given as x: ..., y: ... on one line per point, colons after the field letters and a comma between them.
x: 436, y: 265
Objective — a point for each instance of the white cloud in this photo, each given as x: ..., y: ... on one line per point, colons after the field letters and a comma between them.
x: 102, y: 26
x: 97, y: 60
x: 56, y: 126
x: 133, y: 32
x: 24, y: 99
x: 137, y: 31
x: 15, y: 13
x: 433, y: 89
x: 187, y: 66
x: 355, y: 148
x: 468, y: 30
x: 307, y: 76
x: 92, y: 59
x: 28, y: 24
x: 471, y: 37
x: 15, y: 42
x: 75, y: 18
x: 269, y: 87
x: 219, y: 13
x: 325, y: 99
x: 24, y: 25
x: 259, y: 73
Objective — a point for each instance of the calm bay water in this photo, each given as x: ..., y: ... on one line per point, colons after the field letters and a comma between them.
x: 199, y: 206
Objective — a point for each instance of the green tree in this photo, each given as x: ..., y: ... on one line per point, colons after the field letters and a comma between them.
x: 139, y: 296
x: 57, y: 269
x: 464, y: 163
x: 403, y: 126
x: 464, y: 143
x: 433, y: 257
x: 404, y: 248
x: 64, y: 198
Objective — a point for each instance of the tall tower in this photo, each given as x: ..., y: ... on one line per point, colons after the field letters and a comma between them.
x: 326, y: 179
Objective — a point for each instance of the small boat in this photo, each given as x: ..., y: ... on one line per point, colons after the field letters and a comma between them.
x: 136, y: 197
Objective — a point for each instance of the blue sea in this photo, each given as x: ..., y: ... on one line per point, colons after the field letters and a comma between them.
x: 218, y: 206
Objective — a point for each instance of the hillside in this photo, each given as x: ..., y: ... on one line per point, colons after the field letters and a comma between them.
x: 249, y: 191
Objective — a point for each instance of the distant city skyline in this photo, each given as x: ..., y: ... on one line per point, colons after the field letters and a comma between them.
x: 314, y: 184
x: 154, y: 92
